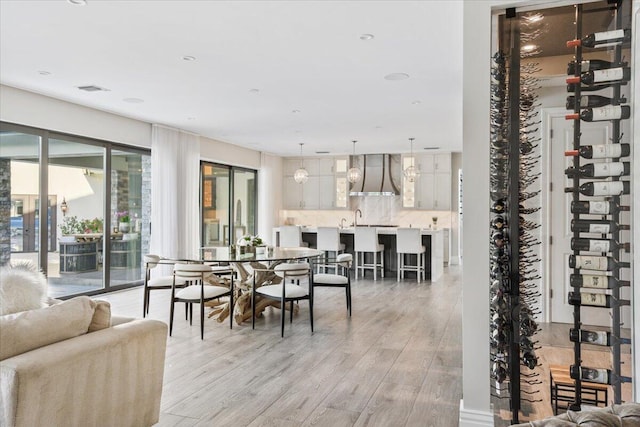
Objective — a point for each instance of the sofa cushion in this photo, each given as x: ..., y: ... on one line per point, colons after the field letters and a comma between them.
x: 28, y: 330
x: 101, y: 317
x: 22, y: 287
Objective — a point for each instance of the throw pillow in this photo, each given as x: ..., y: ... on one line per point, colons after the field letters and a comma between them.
x: 101, y: 317
x: 22, y: 287
x: 28, y: 330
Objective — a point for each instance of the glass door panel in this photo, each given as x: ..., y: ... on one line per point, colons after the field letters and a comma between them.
x: 76, y: 176
x: 130, y: 215
x: 215, y: 205
x: 244, y: 203
x: 19, y: 184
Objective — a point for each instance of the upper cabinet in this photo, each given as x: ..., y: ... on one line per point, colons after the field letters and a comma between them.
x: 326, y: 187
x: 431, y: 189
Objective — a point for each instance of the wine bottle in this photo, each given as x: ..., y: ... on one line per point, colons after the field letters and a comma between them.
x: 611, y: 75
x: 597, y: 226
x: 590, y: 299
x: 605, y: 188
x: 499, y: 371
x: 591, y: 101
x: 498, y: 222
x: 498, y: 206
x: 602, y: 39
x: 596, y: 281
x: 596, y: 375
x: 598, y: 245
x: 599, y: 263
x: 595, y: 337
x: 572, y: 87
x: 600, y: 170
x: 601, y: 151
x: 590, y: 65
x: 599, y: 114
x: 597, y: 207
x: 529, y: 358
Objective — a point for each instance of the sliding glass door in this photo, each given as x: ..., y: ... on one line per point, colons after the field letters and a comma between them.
x: 228, y: 204
x: 97, y: 196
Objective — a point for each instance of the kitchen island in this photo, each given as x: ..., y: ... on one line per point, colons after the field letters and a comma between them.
x: 432, y: 239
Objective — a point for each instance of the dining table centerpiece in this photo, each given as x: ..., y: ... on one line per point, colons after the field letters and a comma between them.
x: 250, y: 244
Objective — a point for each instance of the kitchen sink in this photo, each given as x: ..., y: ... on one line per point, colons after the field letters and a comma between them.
x: 377, y: 225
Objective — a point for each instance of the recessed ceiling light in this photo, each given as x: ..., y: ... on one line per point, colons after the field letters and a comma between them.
x: 366, y: 36
x: 191, y: 118
x: 416, y: 102
x: 298, y: 131
x: 431, y: 148
x: 322, y: 152
x: 189, y: 58
x: 254, y: 90
x: 77, y: 2
x: 44, y: 73
x: 378, y: 127
x: 133, y: 100
x: 295, y: 111
x: 396, y: 76
x: 529, y: 47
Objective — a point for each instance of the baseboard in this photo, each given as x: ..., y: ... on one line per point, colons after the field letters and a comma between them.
x: 472, y: 418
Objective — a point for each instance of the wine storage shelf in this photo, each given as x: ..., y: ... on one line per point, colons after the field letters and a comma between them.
x: 596, y: 262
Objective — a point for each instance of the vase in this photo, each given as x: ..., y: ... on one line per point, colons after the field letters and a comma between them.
x: 124, y: 227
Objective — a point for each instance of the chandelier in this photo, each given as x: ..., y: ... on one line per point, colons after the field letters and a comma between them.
x: 301, y: 175
x: 354, y: 174
x: 411, y: 173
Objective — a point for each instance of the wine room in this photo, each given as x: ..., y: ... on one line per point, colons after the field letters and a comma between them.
x: 561, y: 161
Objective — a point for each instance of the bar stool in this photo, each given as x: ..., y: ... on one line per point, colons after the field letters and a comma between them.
x: 409, y: 241
x: 329, y: 241
x: 366, y: 241
x: 291, y: 237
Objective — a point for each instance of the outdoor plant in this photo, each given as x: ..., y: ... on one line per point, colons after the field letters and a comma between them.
x: 92, y: 225
x: 71, y: 225
x: 124, y: 216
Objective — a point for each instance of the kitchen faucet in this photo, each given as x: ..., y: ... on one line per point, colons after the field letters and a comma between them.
x: 355, y: 217
x: 342, y: 221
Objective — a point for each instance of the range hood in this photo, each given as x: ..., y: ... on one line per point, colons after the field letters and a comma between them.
x: 381, y: 175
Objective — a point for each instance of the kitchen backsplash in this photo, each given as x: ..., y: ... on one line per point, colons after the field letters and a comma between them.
x: 381, y: 210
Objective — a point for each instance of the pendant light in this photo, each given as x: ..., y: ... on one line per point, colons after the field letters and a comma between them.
x: 301, y: 175
x: 411, y: 173
x: 354, y: 174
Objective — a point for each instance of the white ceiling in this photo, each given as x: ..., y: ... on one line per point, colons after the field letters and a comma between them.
x: 300, y: 55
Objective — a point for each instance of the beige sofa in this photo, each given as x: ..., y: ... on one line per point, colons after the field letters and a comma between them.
x: 59, y: 369
x: 625, y: 415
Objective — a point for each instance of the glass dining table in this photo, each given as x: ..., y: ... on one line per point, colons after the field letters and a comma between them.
x: 254, y: 269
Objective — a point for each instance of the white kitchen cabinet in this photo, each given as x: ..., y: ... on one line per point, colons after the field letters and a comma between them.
x: 326, y: 187
x: 292, y: 194
x: 432, y: 187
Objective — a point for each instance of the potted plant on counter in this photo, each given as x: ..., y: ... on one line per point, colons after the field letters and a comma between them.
x: 251, y: 244
x: 124, y: 222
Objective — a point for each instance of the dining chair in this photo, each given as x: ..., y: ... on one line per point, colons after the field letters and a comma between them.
x: 328, y: 241
x: 285, y: 292
x: 366, y: 241
x: 409, y: 242
x: 341, y: 279
x: 291, y: 236
x: 198, y: 292
x: 164, y: 282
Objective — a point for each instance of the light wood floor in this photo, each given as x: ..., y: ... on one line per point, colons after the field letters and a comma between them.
x: 396, y: 362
